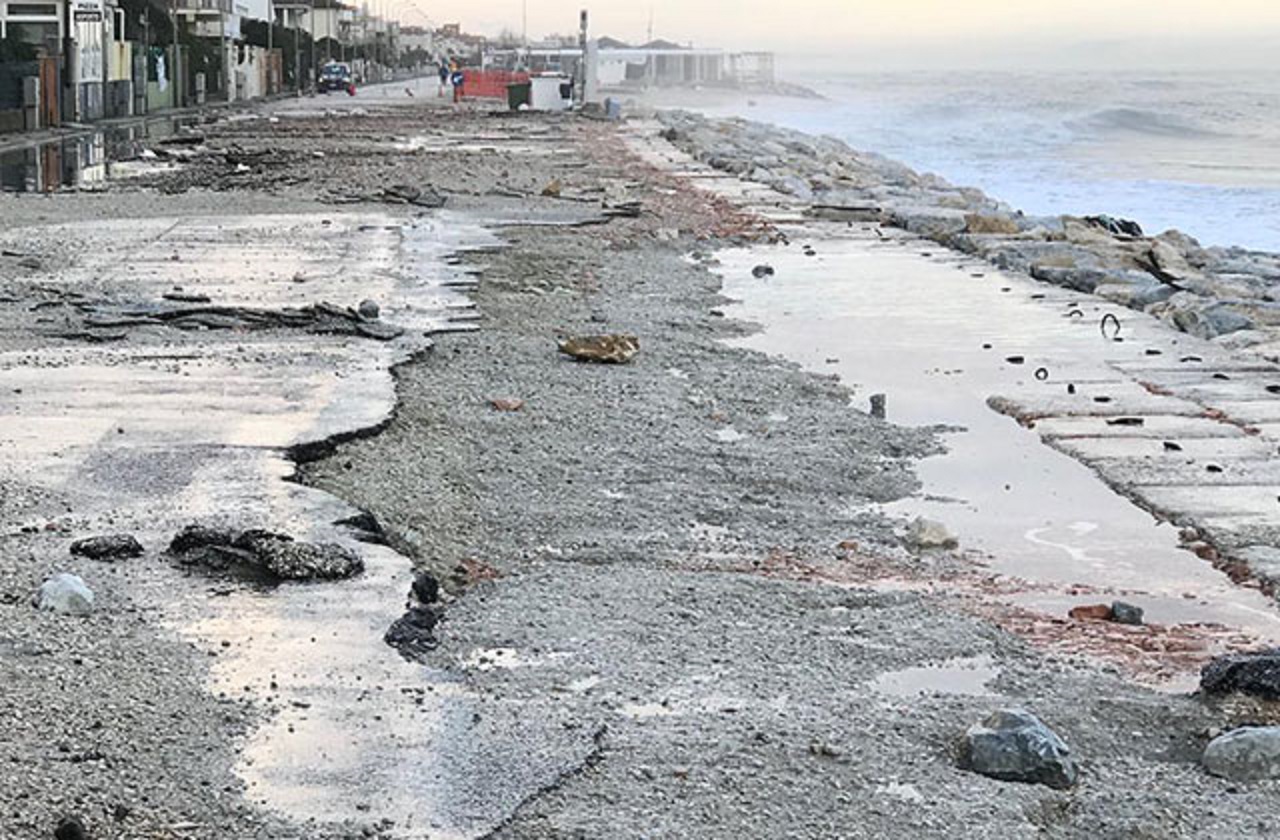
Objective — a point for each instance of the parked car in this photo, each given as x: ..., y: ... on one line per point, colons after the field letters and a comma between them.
x: 336, y: 76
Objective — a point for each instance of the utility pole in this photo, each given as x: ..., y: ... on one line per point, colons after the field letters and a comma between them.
x: 226, y: 59
x: 67, y: 106
x: 175, y: 70
x: 297, y: 56
x: 315, y: 54
x: 580, y: 72
x: 271, y: 29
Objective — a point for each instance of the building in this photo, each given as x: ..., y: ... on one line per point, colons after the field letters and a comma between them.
x: 95, y: 78
x: 38, y: 24
x: 656, y: 64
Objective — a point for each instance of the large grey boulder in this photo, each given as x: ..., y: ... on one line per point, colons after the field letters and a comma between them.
x: 66, y: 594
x: 1013, y: 745
x: 1249, y: 754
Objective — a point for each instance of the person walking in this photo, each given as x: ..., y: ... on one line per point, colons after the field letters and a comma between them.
x: 458, y: 78
x: 443, y: 69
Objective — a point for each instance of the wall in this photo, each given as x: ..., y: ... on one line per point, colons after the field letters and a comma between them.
x: 119, y: 61
x: 252, y: 72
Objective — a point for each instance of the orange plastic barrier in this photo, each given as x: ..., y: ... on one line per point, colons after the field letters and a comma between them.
x: 489, y: 84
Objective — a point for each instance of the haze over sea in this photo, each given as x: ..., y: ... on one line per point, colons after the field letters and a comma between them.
x: 1196, y: 150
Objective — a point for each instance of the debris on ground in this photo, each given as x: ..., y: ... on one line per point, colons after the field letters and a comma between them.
x: 413, y: 633
x: 1090, y: 612
x: 108, y: 547
x: 606, y: 349
x: 261, y: 553
x: 319, y: 318
x: 1255, y: 673
x: 426, y: 197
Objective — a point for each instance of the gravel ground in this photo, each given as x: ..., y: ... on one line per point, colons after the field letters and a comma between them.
x: 645, y: 552
x: 644, y: 570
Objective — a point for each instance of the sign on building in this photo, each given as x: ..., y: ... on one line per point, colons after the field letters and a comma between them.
x: 86, y: 11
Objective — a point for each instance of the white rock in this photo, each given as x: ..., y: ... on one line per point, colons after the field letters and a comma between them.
x: 926, y: 534
x: 65, y: 593
x: 1251, y: 753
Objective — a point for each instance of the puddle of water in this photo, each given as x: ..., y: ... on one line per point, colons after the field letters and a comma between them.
x: 968, y: 676
x: 153, y: 433
x: 939, y: 341
x: 79, y: 161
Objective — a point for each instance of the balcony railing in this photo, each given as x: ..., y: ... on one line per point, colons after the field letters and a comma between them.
x: 211, y: 6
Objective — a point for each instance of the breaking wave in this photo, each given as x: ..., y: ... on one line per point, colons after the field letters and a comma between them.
x: 1138, y: 121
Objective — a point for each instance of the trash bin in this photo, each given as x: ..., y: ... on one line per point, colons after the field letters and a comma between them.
x: 519, y: 95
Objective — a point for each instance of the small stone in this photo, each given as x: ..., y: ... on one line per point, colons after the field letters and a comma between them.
x: 66, y: 594
x: 553, y: 189
x: 1123, y: 613
x: 606, y: 349
x: 369, y: 310
x: 425, y: 588
x: 1249, y: 754
x: 1013, y: 745
x: 107, y: 547
x: 1090, y: 612
x: 925, y: 534
x: 762, y: 271
x: 504, y: 404
x: 413, y: 633
x: 70, y: 828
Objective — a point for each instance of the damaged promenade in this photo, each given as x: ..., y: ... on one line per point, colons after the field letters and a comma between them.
x: 676, y: 596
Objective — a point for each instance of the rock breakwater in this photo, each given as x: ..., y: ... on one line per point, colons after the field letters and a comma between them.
x: 1222, y: 294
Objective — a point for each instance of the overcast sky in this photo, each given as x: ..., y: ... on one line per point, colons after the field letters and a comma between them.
x: 927, y: 30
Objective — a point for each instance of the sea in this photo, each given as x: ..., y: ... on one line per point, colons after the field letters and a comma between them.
x: 1194, y: 150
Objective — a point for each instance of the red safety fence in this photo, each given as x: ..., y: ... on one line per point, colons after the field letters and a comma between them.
x: 489, y: 84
